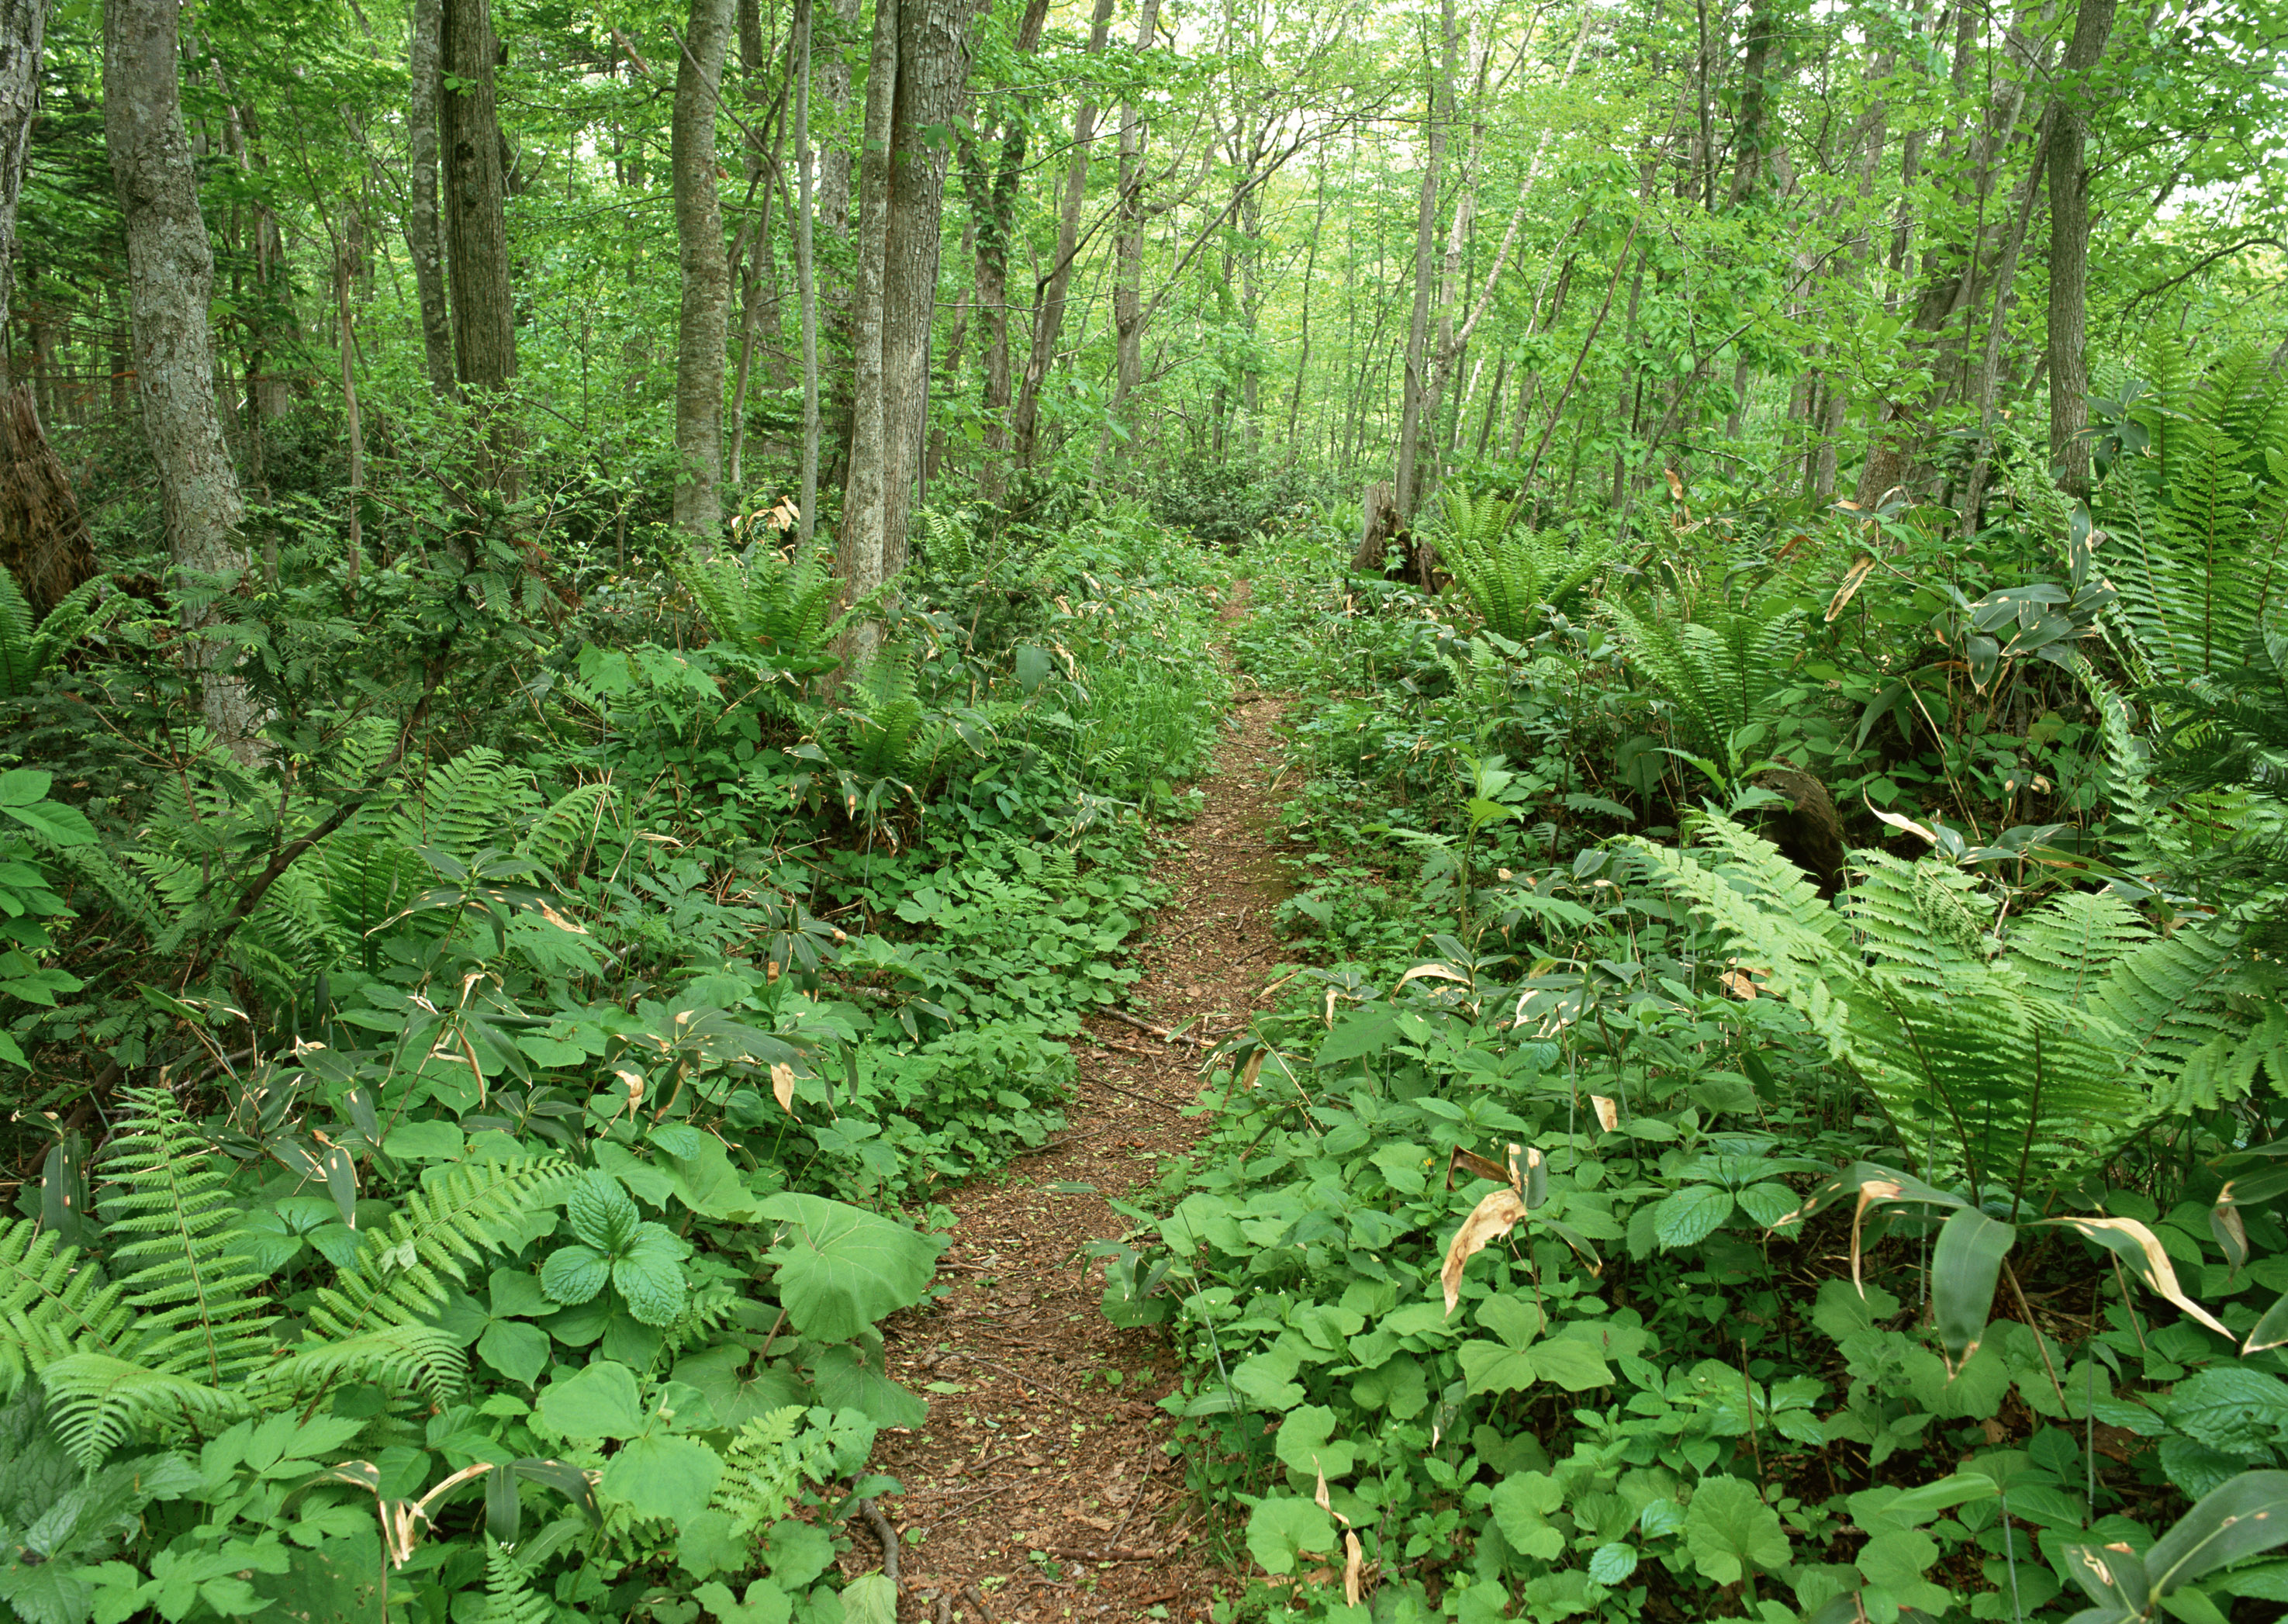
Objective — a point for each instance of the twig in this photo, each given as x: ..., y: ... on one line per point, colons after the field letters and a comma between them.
x: 884, y: 1535
x: 1162, y: 1033
x: 978, y: 1602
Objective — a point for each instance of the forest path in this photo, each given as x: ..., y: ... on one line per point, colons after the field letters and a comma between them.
x: 1039, y: 1489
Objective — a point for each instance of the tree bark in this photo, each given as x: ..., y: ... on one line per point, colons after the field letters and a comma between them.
x: 2068, y: 137
x: 1425, y: 243
x: 805, y: 274
x: 858, y: 541
x: 1128, y: 258
x: 703, y: 323
x: 476, y: 226
x: 993, y: 207
x: 933, y: 73
x: 23, y: 25
x: 1049, y: 314
x: 170, y: 278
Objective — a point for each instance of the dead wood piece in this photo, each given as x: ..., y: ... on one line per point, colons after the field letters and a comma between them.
x: 978, y: 1602
x: 884, y: 1535
x: 44, y: 539
x: 1162, y: 1033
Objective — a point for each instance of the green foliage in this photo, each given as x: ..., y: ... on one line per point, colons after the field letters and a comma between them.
x: 1512, y: 575
x: 2198, y: 506
x: 1719, y: 668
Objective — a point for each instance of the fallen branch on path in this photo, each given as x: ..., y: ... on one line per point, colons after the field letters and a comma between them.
x: 1162, y: 1033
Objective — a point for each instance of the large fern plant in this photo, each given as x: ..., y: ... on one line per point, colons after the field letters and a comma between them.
x: 1511, y: 575
x: 1720, y: 668
x: 2014, y: 1063
x: 777, y: 609
x: 30, y: 644
x: 171, y: 1333
x: 2198, y: 514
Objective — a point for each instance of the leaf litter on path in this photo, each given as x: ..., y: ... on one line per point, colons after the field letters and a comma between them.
x: 1040, y: 1487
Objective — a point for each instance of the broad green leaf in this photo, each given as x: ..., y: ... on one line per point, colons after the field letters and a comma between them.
x: 1964, y: 1266
x: 650, y: 1275
x: 763, y: 1604
x: 2271, y: 1331
x: 2231, y: 1407
x: 1611, y: 1564
x: 798, y: 1552
x: 2248, y: 1515
x: 1522, y: 1504
x: 1690, y: 1216
x: 1306, y: 1442
x: 599, y: 1401
x: 870, y: 1598
x: 1490, y: 1367
x: 1897, y: 1562
x: 518, y: 1350
x: 1281, y: 1527
x: 1728, y: 1528
x: 430, y: 1141
x: 574, y: 1273
x: 600, y: 1212
x: 842, y: 1269
x: 1573, y: 1366
x: 659, y: 1476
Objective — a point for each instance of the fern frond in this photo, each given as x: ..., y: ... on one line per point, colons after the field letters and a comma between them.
x: 54, y: 1298
x: 95, y: 1401
x: 509, y: 1596
x: 198, y: 1311
x: 407, y: 1357
x: 552, y: 836
x: 456, y: 1218
x: 762, y: 1469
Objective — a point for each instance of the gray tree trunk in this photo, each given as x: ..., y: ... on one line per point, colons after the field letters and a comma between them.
x: 806, y: 277
x: 170, y: 278
x: 858, y: 541
x: 421, y: 234
x: 476, y: 226
x: 1425, y: 247
x: 22, y: 24
x: 2069, y: 356
x: 703, y: 325
x: 1128, y: 259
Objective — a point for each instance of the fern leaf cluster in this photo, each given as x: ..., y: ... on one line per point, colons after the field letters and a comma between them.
x: 1510, y: 574
x: 1719, y: 668
x: 2198, y: 519
x: 2020, y: 1064
x: 176, y: 1332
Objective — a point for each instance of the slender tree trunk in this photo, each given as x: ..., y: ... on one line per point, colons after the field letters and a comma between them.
x: 1128, y: 259
x: 1303, y: 344
x: 22, y: 24
x: 837, y: 276
x: 476, y: 227
x: 805, y: 273
x: 352, y: 423
x: 1425, y: 243
x: 170, y: 278
x: 2068, y: 137
x: 993, y: 210
x: 1049, y: 314
x: 933, y: 73
x: 703, y: 325
x: 858, y: 541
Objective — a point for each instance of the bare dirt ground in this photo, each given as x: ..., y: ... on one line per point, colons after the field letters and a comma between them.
x: 1040, y: 1488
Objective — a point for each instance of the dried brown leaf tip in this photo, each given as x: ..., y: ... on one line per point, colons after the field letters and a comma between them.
x: 782, y: 1087
x: 1492, y: 1218
x: 1608, y: 1114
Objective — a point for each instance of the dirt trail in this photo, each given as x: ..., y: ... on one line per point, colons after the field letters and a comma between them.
x: 1039, y: 1489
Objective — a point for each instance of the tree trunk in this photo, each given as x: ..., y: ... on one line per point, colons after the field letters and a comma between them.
x: 702, y: 324
x: 170, y: 278
x: 22, y: 24
x: 1049, y: 314
x: 2069, y: 138
x: 806, y: 275
x: 476, y: 226
x: 1426, y: 243
x: 933, y: 73
x: 858, y: 541
x: 1128, y: 258
x: 993, y: 207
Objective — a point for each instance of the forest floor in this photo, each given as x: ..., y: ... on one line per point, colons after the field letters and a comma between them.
x: 1041, y: 1488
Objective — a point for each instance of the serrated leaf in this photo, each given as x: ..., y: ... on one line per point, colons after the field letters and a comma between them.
x: 659, y: 1476
x: 1610, y: 1565
x: 1690, y: 1216
x: 1522, y: 1504
x: 601, y: 1213
x: 574, y: 1273
x: 518, y: 1350
x: 649, y: 1274
x: 599, y: 1400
